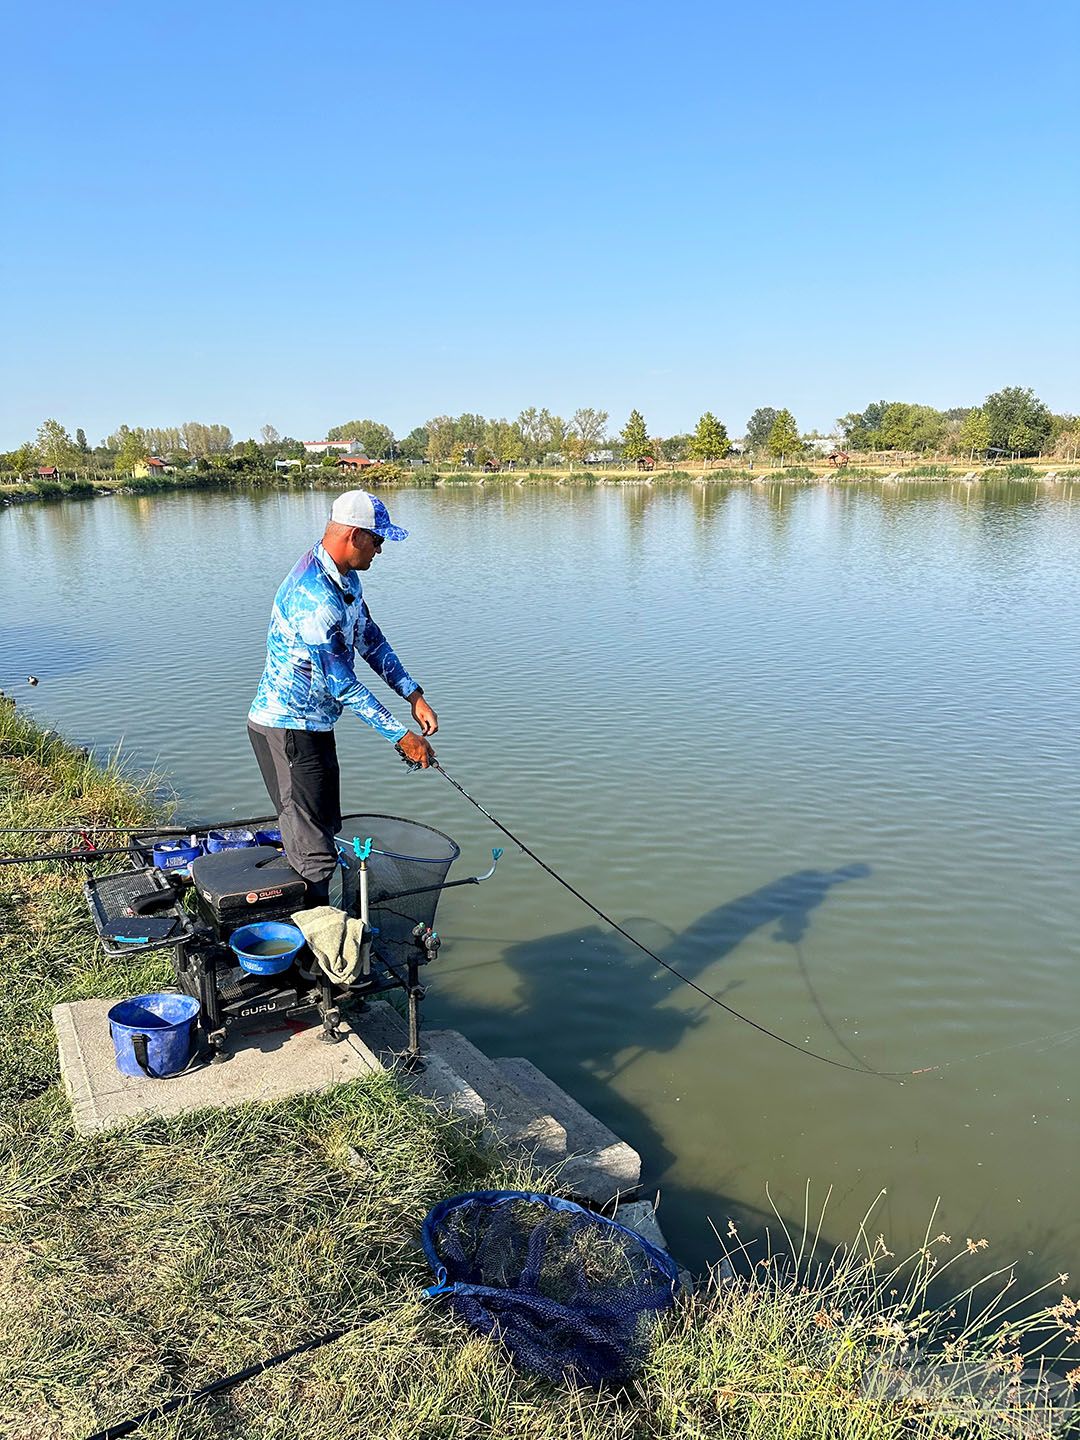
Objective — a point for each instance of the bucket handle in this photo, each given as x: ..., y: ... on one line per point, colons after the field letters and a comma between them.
x: 140, y: 1045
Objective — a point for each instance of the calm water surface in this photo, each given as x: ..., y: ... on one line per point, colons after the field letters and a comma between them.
x: 817, y: 746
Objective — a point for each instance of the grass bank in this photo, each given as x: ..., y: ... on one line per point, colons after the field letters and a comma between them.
x: 144, y: 1262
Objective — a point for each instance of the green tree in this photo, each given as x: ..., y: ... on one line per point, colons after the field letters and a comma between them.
x: 440, y: 439
x: 710, y: 440
x: 469, y: 430
x: 203, y: 441
x: 80, y: 442
x: 503, y: 441
x: 974, y: 433
x: 134, y: 449
x: 23, y: 459
x: 556, y: 431
x: 910, y: 427
x: 374, y: 438
x: 759, y: 427
x: 861, y: 429
x: 635, y: 437
x: 534, y: 433
x: 675, y: 447
x: 1018, y: 420
x: 585, y: 433
x: 784, y: 436
x: 415, y: 444
x: 54, y: 445
x: 248, y: 455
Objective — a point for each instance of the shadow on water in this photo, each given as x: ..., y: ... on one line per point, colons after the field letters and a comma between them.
x: 545, y: 1021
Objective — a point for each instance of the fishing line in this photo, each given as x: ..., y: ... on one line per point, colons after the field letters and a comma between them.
x: 857, y: 1069
x: 737, y: 1014
x: 1048, y: 1040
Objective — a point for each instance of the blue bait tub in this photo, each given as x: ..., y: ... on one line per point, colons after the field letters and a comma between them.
x: 175, y: 854
x: 229, y: 840
x: 274, y: 932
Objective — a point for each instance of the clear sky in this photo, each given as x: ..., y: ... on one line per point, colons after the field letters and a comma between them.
x: 308, y: 213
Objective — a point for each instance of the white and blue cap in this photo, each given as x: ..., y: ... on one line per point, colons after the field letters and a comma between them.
x: 357, y: 507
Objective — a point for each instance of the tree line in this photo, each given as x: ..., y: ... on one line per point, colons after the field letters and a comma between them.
x: 1012, y: 421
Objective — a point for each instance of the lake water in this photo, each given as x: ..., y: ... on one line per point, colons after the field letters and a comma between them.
x: 817, y: 746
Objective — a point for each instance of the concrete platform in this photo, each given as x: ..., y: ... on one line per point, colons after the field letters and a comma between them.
x: 267, y: 1065
x: 518, y: 1120
x: 601, y: 1166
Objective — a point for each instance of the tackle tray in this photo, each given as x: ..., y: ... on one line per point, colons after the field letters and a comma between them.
x: 112, y: 897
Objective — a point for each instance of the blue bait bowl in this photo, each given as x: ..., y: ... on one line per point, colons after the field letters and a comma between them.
x: 264, y: 930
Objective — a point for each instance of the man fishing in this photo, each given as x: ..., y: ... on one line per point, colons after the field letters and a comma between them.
x: 319, y: 619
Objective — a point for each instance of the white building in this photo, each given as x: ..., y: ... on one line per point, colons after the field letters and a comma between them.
x: 343, y: 447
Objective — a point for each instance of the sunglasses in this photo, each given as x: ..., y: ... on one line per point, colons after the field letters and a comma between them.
x: 376, y: 540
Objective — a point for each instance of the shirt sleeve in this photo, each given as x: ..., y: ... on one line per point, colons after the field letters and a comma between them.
x: 376, y: 650
x: 331, y: 652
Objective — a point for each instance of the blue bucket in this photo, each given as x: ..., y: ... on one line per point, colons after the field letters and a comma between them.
x: 262, y: 931
x: 175, y: 854
x: 268, y: 837
x: 229, y: 840
x: 153, y: 1029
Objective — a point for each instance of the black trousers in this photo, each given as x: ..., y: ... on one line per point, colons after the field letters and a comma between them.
x: 301, y: 775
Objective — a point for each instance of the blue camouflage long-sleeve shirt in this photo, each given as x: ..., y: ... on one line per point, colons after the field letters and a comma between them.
x: 319, y: 619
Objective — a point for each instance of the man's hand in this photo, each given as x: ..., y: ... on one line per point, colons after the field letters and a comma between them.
x: 423, y: 714
x: 416, y: 749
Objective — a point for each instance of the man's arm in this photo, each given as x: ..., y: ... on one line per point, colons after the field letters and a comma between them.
x: 379, y: 654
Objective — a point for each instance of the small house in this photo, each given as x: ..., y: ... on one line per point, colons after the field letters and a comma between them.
x: 150, y: 466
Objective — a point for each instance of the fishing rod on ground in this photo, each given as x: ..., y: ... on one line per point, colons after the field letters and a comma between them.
x: 90, y: 851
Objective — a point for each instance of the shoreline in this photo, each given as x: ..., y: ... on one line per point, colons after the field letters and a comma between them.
x: 103, y: 487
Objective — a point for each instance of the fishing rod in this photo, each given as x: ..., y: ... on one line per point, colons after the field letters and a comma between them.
x: 607, y: 919
x: 86, y: 856
x: 150, y: 829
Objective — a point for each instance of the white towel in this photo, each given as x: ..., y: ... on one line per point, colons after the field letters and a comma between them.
x: 335, y: 939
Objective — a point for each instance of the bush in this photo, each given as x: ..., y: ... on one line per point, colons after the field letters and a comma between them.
x: 1012, y: 472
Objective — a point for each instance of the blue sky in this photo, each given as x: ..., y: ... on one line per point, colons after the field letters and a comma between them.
x: 306, y: 214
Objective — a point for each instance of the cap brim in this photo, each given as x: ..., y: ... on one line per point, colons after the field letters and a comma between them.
x: 393, y: 532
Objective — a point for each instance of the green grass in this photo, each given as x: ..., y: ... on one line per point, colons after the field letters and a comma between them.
x: 147, y: 1261
x: 1015, y: 471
